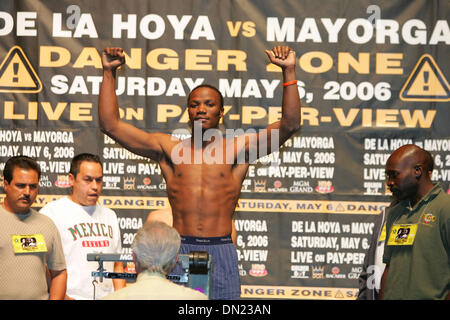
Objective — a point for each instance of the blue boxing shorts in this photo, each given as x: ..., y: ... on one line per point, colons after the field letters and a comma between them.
x: 226, y: 282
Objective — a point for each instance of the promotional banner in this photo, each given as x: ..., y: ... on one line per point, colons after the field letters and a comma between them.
x: 372, y: 76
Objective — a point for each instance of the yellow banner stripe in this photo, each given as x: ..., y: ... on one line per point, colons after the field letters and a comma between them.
x: 247, y: 205
x: 288, y: 292
x: 310, y: 206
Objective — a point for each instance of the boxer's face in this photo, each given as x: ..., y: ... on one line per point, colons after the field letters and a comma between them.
x: 204, y: 108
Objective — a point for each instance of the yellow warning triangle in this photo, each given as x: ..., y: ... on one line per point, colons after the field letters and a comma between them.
x: 338, y: 295
x: 17, y: 73
x: 426, y: 82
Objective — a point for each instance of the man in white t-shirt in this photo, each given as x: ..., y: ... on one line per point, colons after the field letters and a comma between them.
x: 86, y: 227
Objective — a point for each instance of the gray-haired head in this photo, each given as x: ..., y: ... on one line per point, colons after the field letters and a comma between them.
x: 156, y: 247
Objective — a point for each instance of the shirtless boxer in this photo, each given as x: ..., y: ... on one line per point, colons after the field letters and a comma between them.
x: 204, y: 175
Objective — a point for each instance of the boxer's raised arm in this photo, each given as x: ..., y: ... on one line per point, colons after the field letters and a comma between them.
x: 134, y: 139
x: 289, y: 123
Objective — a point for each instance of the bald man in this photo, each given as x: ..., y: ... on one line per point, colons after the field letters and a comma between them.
x: 417, y: 250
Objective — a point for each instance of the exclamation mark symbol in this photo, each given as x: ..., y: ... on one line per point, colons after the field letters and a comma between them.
x: 425, y: 79
x: 16, y: 72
